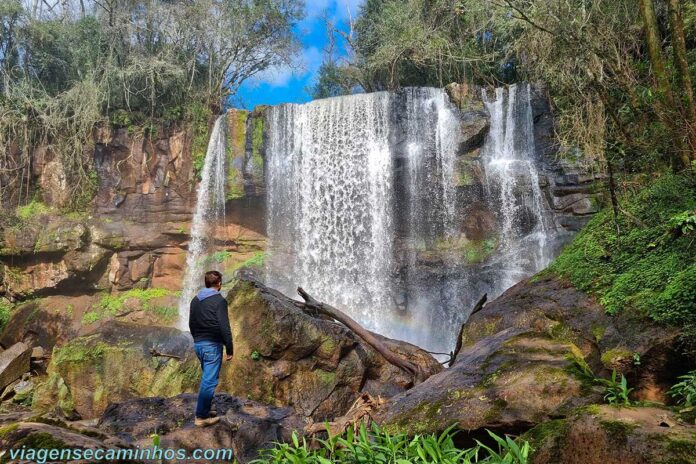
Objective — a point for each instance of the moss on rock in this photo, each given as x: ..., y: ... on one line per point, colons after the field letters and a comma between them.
x: 89, y: 372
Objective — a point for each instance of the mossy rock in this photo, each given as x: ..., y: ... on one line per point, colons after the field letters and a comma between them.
x: 604, y: 434
x: 505, y: 380
x: 286, y: 357
x: 89, y: 372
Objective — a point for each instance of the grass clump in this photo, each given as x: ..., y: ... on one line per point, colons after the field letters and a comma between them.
x: 376, y: 445
x: 111, y: 305
x: 650, y: 266
x: 5, y: 312
x: 31, y: 210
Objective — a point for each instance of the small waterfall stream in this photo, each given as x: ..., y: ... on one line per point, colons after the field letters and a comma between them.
x: 209, y: 212
x: 513, y: 186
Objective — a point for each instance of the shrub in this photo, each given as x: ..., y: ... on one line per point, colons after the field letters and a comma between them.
x: 379, y: 446
x: 616, y: 392
x: 684, y: 392
x: 5, y: 310
x: 31, y: 210
x: 649, y: 267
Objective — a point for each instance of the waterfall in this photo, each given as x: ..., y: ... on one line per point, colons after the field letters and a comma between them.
x: 513, y: 186
x: 365, y: 212
x: 209, y: 212
x: 431, y: 138
x: 355, y: 185
x: 329, y: 181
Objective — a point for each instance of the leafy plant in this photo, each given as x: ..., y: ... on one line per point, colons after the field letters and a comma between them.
x: 683, y: 223
x: 638, y: 271
x: 5, y: 311
x: 31, y: 210
x: 255, y: 355
x: 378, y: 445
x: 684, y: 392
x: 616, y: 391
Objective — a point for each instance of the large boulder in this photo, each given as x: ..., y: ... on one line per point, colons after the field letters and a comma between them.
x: 44, y: 442
x: 245, y: 426
x: 524, y: 360
x: 286, y: 357
x: 610, y: 435
x: 508, y: 381
x: 45, y: 322
x: 116, y: 364
x: 14, y: 362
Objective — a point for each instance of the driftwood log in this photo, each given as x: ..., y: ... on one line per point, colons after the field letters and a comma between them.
x: 359, y: 413
x: 323, y: 309
x: 158, y: 354
x: 458, y: 347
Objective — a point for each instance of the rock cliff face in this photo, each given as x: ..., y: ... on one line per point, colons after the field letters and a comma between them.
x: 135, y: 234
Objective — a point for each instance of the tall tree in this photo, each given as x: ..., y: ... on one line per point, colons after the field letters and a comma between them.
x: 682, y: 65
x: 652, y: 37
x: 657, y: 62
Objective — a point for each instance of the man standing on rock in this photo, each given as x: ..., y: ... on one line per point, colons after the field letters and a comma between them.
x: 210, y: 328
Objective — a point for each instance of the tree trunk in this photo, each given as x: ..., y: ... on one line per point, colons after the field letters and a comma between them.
x: 652, y: 37
x: 458, y: 347
x: 679, y: 46
x: 368, y: 337
x: 664, y: 89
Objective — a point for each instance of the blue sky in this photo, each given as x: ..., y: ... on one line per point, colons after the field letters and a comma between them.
x: 284, y: 84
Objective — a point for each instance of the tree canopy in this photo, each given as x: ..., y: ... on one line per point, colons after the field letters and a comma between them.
x: 68, y: 66
x: 619, y: 76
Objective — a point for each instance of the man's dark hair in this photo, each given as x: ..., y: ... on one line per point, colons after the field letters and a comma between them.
x: 212, y: 279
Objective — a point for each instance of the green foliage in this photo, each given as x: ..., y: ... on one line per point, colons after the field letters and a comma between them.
x: 379, y: 446
x: 111, y: 305
x: 69, y: 70
x: 79, y: 350
x: 217, y: 257
x: 331, y: 81
x: 257, y: 260
x: 684, y: 392
x: 5, y: 312
x: 121, y: 118
x: 91, y: 316
x: 616, y: 391
x: 646, y: 268
x: 31, y: 210
x: 199, y: 116
x: 255, y: 355
x: 683, y: 223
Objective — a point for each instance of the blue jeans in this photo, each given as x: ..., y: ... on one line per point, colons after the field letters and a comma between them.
x: 210, y: 356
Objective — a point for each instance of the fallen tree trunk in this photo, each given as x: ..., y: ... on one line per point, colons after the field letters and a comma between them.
x: 359, y: 413
x: 327, y: 310
x: 458, y: 347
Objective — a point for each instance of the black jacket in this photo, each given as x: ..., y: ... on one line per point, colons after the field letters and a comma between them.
x: 208, y: 321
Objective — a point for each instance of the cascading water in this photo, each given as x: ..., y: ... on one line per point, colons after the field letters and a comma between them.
x: 364, y: 210
x: 513, y: 186
x: 336, y: 222
x: 209, y: 213
x: 431, y: 139
x: 329, y: 179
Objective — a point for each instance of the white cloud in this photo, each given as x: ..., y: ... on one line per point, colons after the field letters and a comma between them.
x: 280, y: 76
